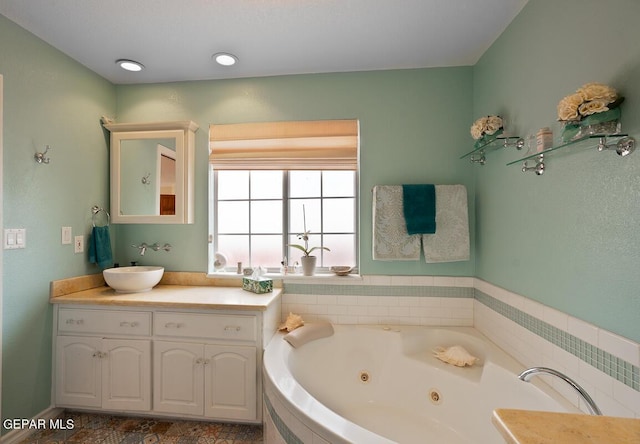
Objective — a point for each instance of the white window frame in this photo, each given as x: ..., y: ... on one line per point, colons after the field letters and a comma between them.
x: 286, y: 251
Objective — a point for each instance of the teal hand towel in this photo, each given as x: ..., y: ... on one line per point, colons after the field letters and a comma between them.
x: 419, y: 208
x: 100, y: 247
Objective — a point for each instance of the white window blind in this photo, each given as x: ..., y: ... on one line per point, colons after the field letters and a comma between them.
x: 297, y: 145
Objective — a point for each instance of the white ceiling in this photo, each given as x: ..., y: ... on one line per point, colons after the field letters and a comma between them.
x: 175, y: 39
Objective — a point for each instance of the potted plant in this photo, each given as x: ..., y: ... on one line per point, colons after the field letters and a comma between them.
x: 307, y: 261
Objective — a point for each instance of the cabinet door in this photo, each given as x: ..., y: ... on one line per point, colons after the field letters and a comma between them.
x: 126, y: 374
x: 78, y: 371
x: 230, y: 382
x: 178, y: 379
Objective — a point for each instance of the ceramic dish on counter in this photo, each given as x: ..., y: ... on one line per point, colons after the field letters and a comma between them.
x: 341, y: 270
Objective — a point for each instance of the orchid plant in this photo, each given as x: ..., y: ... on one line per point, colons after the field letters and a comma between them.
x: 305, y: 238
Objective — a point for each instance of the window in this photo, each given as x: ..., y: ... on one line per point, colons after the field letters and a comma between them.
x: 258, y: 209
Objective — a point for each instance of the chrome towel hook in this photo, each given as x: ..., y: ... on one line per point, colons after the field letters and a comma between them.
x: 40, y: 157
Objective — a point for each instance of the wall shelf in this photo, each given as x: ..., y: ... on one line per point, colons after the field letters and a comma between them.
x: 622, y: 144
x: 478, y: 154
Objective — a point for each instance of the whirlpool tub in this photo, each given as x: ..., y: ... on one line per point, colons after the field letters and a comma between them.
x: 376, y: 384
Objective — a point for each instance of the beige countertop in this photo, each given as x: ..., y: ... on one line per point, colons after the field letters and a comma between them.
x: 174, y: 296
x: 533, y: 427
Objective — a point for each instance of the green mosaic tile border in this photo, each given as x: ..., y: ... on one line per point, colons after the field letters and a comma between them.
x: 283, y: 429
x: 380, y: 290
x: 611, y: 365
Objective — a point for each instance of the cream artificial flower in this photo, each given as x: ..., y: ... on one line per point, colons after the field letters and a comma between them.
x: 593, y: 107
x: 568, y: 107
x: 598, y: 91
x: 485, y: 125
x: 476, y: 130
x: 493, y: 124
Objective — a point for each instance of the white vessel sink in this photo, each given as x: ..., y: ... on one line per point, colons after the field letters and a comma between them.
x: 133, y: 279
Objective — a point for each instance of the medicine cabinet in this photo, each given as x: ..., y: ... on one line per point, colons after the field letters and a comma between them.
x: 152, y: 172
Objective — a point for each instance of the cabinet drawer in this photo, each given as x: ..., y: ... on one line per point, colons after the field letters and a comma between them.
x: 74, y: 320
x: 210, y: 326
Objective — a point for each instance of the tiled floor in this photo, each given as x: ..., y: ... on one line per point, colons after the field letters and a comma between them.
x: 89, y: 428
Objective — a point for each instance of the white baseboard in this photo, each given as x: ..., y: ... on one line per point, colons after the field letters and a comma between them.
x: 17, y: 435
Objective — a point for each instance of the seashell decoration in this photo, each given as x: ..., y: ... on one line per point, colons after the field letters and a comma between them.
x: 293, y: 321
x: 455, y: 355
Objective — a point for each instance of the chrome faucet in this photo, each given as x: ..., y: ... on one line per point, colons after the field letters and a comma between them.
x: 142, y: 247
x: 529, y: 373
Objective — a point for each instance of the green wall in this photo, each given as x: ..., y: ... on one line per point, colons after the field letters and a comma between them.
x: 413, y: 125
x: 569, y: 238
x: 49, y: 99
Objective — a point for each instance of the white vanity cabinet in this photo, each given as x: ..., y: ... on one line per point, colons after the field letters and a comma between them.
x: 113, y: 374
x: 94, y: 370
x: 191, y: 363
x: 217, y: 381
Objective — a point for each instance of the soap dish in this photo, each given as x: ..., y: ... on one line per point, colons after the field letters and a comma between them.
x: 341, y: 270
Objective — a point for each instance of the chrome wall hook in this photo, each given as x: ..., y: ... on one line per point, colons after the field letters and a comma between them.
x: 40, y: 157
x: 538, y: 168
x: 624, y: 147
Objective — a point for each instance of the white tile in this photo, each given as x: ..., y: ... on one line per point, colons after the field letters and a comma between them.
x: 401, y: 280
x: 379, y: 280
x: 367, y: 300
x: 347, y: 300
x: 422, y: 281
x: 337, y: 309
x: 389, y: 301
x: 368, y: 320
x: 533, y: 308
x: 399, y: 311
x: 408, y: 301
x: 327, y: 299
x: 465, y: 282
x: 618, y: 346
x: 555, y: 317
x: 378, y: 311
x: 357, y: 310
x: 444, y: 281
x: 583, y: 330
x: 595, y: 377
x: 627, y: 397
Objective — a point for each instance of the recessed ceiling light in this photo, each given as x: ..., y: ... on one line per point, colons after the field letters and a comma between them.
x: 130, y: 65
x: 225, y: 59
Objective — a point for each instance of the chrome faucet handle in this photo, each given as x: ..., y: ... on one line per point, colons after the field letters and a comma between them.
x: 167, y: 247
x: 142, y: 247
x: 155, y: 247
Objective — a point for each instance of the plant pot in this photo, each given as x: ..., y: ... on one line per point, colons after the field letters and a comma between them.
x: 308, y: 265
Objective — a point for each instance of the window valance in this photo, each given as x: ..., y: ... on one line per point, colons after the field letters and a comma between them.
x: 299, y: 145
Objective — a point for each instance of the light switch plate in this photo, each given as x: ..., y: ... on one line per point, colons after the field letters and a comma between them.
x: 15, y: 238
x: 66, y: 235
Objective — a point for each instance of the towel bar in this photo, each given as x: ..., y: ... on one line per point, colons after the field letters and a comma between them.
x: 95, y: 210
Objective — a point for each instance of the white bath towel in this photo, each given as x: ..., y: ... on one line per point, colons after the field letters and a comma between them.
x: 450, y: 242
x: 391, y: 241
x: 308, y: 333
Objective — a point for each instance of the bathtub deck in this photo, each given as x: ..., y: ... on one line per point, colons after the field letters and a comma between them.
x: 533, y: 427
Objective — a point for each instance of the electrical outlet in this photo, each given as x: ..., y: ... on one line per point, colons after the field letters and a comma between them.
x: 78, y: 244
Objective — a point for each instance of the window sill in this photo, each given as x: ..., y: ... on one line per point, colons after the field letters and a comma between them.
x: 294, y: 278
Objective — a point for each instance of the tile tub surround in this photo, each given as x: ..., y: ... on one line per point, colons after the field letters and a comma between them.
x: 401, y: 300
x: 605, y: 364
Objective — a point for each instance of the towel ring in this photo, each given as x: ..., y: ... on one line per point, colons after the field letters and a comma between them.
x: 95, y: 210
